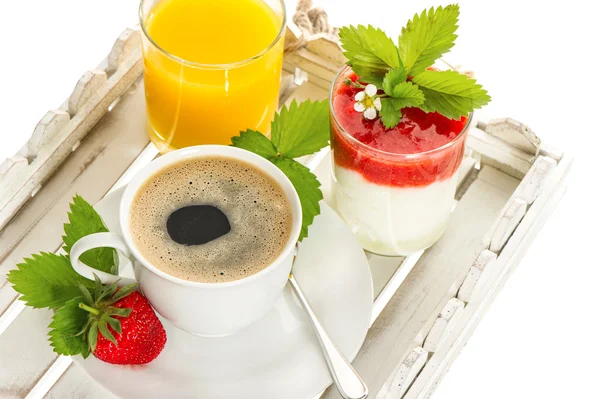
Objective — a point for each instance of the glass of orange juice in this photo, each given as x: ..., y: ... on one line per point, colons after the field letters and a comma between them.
x: 211, y: 68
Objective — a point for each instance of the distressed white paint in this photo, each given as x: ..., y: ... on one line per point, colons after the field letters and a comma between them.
x: 514, y: 133
x: 88, y: 84
x: 507, y: 223
x: 515, y: 249
x: 533, y: 182
x: 474, y: 279
x: 292, y: 35
x: 406, y: 372
x: 551, y: 152
x: 46, y: 131
x: 53, y: 139
x: 442, y: 327
x: 126, y: 44
x: 11, y: 165
x: 323, y: 45
x: 44, y: 384
x: 412, y: 309
x: 497, y: 153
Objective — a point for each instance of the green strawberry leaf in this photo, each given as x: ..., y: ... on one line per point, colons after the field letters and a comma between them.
x: 393, y: 78
x: 307, y: 187
x: 450, y: 93
x: 390, y: 114
x: 47, y: 280
x: 407, y: 94
x: 84, y: 220
x: 256, y: 142
x: 368, y: 75
x: 65, y: 327
x: 427, y: 37
x: 301, y: 129
x: 368, y: 47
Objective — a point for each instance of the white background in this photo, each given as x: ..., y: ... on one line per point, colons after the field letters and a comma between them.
x: 538, y: 60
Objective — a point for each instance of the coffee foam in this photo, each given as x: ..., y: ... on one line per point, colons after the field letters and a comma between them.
x: 256, y: 206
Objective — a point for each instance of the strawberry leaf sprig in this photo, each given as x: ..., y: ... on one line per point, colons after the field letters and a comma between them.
x: 402, y: 74
x: 88, y: 314
x: 297, y: 130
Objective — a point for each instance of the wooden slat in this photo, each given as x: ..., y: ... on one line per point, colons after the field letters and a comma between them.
x: 76, y: 384
x: 91, y: 171
x: 425, y: 291
x: 506, y: 263
x: 533, y: 182
x: 476, y: 275
x: 45, y: 133
x: 507, y: 223
x: 403, y: 376
x: 442, y: 327
x: 54, y: 140
x: 514, y: 133
x: 88, y: 84
x: 25, y: 345
x: 499, y: 154
x: 321, y: 69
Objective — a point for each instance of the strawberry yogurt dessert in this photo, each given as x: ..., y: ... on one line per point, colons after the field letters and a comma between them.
x: 394, y: 187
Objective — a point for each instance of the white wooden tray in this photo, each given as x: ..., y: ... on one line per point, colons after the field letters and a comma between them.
x: 427, y: 305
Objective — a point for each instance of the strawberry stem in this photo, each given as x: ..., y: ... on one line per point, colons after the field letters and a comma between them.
x: 89, y: 309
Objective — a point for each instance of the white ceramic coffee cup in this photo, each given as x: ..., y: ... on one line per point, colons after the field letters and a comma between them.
x: 205, y: 309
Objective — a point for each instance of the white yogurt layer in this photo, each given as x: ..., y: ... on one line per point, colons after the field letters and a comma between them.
x: 393, y: 220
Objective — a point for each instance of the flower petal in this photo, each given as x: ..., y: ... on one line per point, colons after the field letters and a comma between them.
x: 359, y: 107
x: 371, y: 90
x: 377, y: 103
x: 359, y: 96
x: 370, y: 113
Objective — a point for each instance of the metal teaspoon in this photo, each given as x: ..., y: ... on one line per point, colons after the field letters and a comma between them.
x: 346, y: 379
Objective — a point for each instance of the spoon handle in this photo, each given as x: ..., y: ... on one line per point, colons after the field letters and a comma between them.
x: 346, y: 379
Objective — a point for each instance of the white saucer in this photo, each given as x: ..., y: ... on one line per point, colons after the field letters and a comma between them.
x: 276, y: 358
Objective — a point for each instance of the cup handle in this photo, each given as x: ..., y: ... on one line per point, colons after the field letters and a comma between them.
x: 98, y: 240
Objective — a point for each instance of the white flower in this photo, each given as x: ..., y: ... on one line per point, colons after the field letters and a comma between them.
x: 366, y: 103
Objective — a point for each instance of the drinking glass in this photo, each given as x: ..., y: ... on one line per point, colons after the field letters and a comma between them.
x: 190, y: 103
x: 396, y: 204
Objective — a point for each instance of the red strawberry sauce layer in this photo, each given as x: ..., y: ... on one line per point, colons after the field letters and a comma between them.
x: 416, y: 133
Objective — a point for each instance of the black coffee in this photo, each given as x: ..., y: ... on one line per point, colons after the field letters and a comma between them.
x: 197, y: 224
x: 211, y: 219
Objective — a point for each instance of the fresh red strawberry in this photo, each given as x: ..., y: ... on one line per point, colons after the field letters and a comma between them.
x: 130, y: 331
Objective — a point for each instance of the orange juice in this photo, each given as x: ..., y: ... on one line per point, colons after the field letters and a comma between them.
x: 211, y: 69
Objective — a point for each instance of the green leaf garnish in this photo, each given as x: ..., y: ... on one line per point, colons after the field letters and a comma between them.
x: 402, y: 72
x: 66, y: 327
x: 390, y: 114
x: 297, y: 130
x: 392, y: 79
x: 47, y: 280
x: 404, y: 94
x: 256, y: 142
x: 84, y: 220
x: 450, y: 93
x: 307, y: 186
x: 300, y: 130
x: 369, y: 75
x: 426, y: 37
x: 369, y: 47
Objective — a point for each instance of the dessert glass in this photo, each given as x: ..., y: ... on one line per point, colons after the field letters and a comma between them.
x: 396, y: 202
